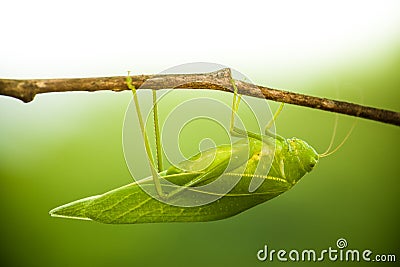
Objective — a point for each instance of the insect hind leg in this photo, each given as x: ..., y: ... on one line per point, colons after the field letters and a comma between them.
x: 154, y: 173
x: 159, y: 151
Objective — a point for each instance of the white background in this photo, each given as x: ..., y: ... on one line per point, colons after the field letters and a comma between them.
x: 45, y: 38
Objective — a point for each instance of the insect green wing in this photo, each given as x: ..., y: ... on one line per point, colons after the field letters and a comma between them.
x: 293, y: 158
x: 112, y: 207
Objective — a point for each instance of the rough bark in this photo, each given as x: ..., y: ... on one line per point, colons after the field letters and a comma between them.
x: 26, y: 90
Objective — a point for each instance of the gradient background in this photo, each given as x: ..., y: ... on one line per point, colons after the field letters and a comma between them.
x: 62, y: 147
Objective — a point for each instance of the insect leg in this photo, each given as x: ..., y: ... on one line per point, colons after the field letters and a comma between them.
x: 145, y: 138
x: 235, y: 106
x: 157, y: 132
x: 189, y: 184
x: 267, y: 143
x: 270, y: 123
x: 277, y: 112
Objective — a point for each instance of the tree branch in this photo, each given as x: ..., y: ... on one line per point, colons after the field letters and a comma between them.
x: 26, y: 90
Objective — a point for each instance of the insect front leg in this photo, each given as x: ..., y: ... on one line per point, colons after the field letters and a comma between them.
x: 263, y: 158
x: 270, y: 123
x: 234, y: 131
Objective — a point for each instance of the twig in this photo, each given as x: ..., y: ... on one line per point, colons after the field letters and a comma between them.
x: 26, y: 90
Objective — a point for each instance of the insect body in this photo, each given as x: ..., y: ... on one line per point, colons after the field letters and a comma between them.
x: 130, y: 204
x: 277, y: 163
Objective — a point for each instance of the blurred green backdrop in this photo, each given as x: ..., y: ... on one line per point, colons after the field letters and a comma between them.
x: 62, y: 147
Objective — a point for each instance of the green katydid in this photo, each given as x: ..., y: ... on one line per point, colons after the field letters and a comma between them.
x: 276, y: 162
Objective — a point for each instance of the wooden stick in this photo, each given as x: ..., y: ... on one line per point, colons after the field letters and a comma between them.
x: 26, y: 90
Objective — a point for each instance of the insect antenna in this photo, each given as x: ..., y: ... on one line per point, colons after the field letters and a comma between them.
x: 333, y: 135
x: 327, y: 152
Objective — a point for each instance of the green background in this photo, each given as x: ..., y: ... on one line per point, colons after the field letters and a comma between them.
x: 66, y: 146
